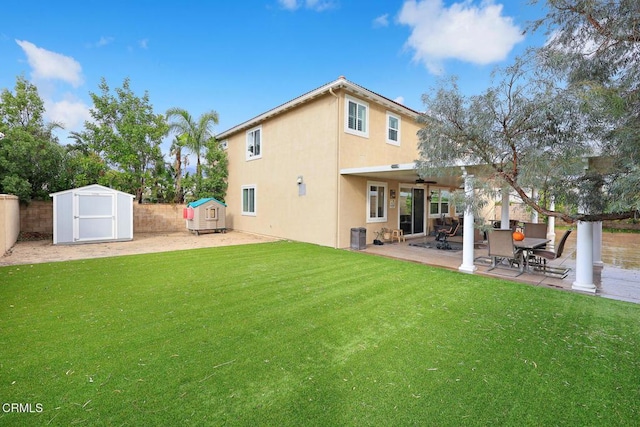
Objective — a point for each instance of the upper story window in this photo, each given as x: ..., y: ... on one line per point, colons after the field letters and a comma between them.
x: 376, y: 202
x: 357, y: 117
x: 393, y: 129
x: 254, y: 143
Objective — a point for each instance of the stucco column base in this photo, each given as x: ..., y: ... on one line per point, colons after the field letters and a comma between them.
x: 467, y: 268
x: 584, y: 287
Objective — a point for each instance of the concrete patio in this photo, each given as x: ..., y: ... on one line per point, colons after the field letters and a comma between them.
x: 618, y: 278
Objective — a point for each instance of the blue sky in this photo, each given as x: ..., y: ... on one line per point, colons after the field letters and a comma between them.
x: 242, y: 58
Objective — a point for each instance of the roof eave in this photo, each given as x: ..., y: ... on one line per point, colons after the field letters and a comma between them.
x: 340, y: 83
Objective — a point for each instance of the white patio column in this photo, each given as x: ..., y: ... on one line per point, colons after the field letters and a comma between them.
x: 551, y: 226
x: 468, y: 230
x: 504, y: 214
x: 584, y: 258
x: 584, y: 252
x: 534, y: 214
x: 597, y: 244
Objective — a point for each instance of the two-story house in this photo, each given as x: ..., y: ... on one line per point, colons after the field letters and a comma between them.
x: 335, y: 158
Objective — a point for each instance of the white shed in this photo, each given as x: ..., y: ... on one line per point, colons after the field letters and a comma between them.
x: 92, y: 214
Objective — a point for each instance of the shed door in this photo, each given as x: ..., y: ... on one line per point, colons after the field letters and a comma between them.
x: 94, y: 216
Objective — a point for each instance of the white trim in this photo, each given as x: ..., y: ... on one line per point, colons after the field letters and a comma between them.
x: 255, y: 199
x: 248, y: 154
x: 388, y: 128
x: 374, y: 169
x: 359, y: 103
x: 92, y: 188
x: 385, y: 193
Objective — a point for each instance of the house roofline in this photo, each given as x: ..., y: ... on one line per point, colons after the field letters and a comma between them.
x: 340, y: 83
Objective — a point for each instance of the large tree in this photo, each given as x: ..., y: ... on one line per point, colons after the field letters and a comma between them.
x: 546, y: 115
x: 180, y: 163
x: 31, y: 159
x: 215, y: 169
x: 127, y: 134
x: 596, y: 44
x: 195, y: 134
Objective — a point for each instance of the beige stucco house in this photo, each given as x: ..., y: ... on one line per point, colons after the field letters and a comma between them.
x: 333, y: 159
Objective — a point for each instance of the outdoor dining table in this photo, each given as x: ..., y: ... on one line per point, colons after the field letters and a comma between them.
x: 527, y: 245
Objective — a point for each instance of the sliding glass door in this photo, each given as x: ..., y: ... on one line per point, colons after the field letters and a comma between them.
x: 412, y: 210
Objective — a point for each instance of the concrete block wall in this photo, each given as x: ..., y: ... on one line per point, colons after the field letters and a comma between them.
x: 158, y: 218
x: 37, y: 217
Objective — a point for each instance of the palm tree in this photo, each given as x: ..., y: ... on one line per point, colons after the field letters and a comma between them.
x: 196, y: 134
x: 176, y: 150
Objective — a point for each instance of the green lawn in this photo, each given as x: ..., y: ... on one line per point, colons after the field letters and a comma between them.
x: 295, y: 334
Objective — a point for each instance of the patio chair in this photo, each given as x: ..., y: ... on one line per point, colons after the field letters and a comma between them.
x: 501, y: 248
x: 542, y: 255
x: 535, y: 230
x: 478, y: 239
x: 450, y: 231
x: 442, y: 224
x: 444, y: 234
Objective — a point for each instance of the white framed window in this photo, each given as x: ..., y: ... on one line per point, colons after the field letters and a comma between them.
x: 249, y: 200
x: 356, y: 117
x: 376, y: 201
x: 254, y: 143
x: 439, y: 204
x: 393, y: 129
x: 211, y: 213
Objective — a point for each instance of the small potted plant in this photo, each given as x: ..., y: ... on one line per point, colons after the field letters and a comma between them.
x: 380, y: 235
x: 383, y: 234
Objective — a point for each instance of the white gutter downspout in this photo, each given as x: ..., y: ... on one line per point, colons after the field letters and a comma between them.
x: 337, y: 233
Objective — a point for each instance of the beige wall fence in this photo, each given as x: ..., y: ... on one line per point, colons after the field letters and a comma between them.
x: 158, y: 218
x: 37, y: 217
x: 9, y: 221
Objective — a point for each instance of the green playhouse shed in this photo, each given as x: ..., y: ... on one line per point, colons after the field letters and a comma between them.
x: 205, y: 215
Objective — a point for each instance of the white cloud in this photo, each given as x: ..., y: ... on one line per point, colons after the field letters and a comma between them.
x: 381, y: 21
x: 478, y: 34
x: 70, y: 112
x: 289, y: 4
x: 317, y: 5
x: 144, y: 43
x: 399, y: 100
x: 47, y: 65
x: 104, y: 41
x: 50, y: 71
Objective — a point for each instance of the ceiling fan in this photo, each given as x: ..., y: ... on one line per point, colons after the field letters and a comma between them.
x: 421, y: 180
